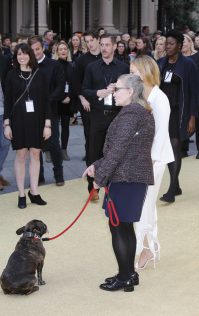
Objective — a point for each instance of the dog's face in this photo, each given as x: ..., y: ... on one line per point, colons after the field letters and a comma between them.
x: 34, y: 226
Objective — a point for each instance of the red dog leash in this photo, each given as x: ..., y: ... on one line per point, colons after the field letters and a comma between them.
x: 111, y: 209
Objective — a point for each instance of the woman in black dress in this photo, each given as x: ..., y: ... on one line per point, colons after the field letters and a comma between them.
x: 64, y: 106
x: 180, y: 83
x: 26, y: 118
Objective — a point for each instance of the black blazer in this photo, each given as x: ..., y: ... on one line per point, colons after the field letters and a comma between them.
x: 54, y: 74
x: 5, y: 66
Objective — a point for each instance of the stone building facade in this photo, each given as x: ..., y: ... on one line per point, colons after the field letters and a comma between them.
x: 68, y: 16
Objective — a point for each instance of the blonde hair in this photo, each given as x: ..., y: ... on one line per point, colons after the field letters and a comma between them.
x: 148, y: 69
x: 193, y: 51
x: 135, y: 82
x: 62, y: 42
x: 155, y: 53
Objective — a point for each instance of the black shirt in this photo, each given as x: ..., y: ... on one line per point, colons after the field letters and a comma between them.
x: 172, y: 87
x: 80, y: 68
x: 98, y: 76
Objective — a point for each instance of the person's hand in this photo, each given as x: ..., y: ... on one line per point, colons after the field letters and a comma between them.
x: 8, y: 132
x: 111, y: 87
x: 66, y: 100
x: 191, y: 125
x: 46, y: 132
x: 90, y: 171
x: 95, y: 185
x: 86, y: 105
x: 103, y: 93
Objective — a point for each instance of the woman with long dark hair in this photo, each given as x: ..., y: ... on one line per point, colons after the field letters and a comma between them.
x: 26, y: 119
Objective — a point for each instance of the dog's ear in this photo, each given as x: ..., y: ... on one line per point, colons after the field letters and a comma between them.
x: 20, y: 230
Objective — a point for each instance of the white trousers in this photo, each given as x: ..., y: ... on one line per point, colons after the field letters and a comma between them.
x: 147, y: 226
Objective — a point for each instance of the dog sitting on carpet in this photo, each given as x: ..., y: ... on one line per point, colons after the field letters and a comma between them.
x: 18, y: 277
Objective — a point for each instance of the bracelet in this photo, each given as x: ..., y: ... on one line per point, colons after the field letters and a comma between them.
x: 6, y: 125
x: 47, y: 126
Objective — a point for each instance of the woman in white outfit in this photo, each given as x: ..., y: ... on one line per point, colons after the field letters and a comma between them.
x: 146, y: 230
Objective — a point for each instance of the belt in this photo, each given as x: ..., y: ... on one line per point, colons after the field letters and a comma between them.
x: 109, y: 112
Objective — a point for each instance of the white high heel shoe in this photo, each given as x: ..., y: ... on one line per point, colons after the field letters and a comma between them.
x: 147, y: 261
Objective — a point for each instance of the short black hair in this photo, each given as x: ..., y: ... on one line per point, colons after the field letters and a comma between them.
x: 35, y: 39
x: 112, y: 37
x: 179, y: 37
x: 91, y: 33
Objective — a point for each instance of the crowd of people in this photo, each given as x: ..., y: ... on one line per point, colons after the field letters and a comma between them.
x: 138, y: 99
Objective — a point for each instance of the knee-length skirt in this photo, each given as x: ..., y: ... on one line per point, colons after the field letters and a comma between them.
x: 128, y: 199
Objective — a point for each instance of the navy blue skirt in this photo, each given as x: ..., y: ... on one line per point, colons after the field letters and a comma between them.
x: 128, y: 199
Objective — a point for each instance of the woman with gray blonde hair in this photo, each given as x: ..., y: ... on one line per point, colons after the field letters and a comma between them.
x: 126, y: 169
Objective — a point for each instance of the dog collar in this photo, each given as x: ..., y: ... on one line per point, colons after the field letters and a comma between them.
x: 31, y: 235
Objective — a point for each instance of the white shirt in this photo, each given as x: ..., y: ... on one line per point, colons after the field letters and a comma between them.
x: 161, y: 148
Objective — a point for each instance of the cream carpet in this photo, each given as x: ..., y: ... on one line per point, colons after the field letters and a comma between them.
x: 78, y: 262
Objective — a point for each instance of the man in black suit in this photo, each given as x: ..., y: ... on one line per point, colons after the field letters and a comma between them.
x: 5, y: 66
x: 55, y: 76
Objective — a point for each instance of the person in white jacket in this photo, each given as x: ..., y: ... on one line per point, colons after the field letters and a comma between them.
x: 148, y: 247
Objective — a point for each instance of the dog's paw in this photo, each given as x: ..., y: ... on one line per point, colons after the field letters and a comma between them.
x: 41, y: 282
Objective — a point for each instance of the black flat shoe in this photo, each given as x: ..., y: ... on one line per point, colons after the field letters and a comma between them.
x: 134, y: 277
x: 126, y: 286
x: 36, y: 199
x: 22, y: 202
x: 167, y: 198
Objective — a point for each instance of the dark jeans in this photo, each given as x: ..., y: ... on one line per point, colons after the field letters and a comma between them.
x: 53, y: 145
x: 65, y: 122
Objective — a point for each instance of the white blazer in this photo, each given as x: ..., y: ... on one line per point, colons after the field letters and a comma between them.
x: 161, y: 149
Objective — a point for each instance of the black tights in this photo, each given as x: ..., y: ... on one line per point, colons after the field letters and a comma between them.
x: 175, y: 166
x: 124, y: 246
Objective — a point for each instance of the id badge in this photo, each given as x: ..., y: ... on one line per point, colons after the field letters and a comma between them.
x: 168, y: 76
x: 108, y: 100
x: 66, y: 87
x: 29, y: 106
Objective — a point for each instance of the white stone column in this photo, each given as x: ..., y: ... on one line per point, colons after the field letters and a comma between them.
x: 106, y: 16
x: 42, y: 12
x: 27, y: 26
x: 149, y: 14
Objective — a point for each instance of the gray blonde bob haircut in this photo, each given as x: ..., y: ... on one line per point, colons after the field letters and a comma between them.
x: 135, y: 82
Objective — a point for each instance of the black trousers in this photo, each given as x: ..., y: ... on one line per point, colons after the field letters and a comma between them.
x: 86, y: 124
x: 99, y: 123
x: 65, y: 123
x: 53, y: 145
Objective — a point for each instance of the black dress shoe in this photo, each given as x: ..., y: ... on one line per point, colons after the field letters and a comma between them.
x: 36, y: 199
x: 178, y: 191
x: 167, y: 198
x: 127, y: 286
x: 134, y: 277
x: 22, y: 202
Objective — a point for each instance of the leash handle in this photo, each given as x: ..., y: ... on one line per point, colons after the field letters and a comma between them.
x: 111, y: 209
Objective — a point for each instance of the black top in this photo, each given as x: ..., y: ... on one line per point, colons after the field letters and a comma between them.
x: 54, y: 74
x: 80, y: 68
x: 171, y: 84
x: 27, y: 126
x: 98, y: 76
x: 68, y: 68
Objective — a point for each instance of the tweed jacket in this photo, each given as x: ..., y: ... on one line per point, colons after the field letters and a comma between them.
x: 127, y: 148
